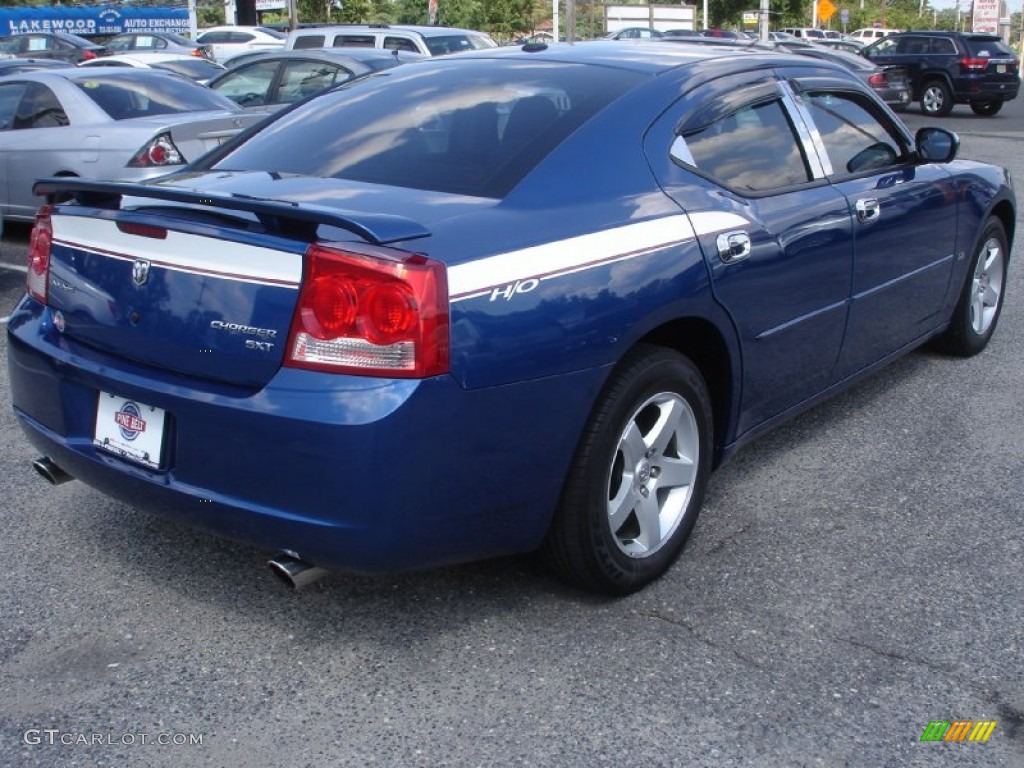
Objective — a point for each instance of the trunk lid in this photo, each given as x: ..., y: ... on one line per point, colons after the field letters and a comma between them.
x: 195, y: 134
x: 205, y: 284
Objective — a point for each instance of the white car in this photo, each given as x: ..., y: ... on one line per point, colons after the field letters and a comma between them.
x: 229, y: 41
x: 870, y: 34
x: 193, y: 67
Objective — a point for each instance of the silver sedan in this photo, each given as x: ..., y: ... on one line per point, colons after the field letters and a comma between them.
x: 104, y: 123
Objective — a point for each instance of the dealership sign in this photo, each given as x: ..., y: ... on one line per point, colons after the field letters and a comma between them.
x: 986, y: 17
x: 93, y: 21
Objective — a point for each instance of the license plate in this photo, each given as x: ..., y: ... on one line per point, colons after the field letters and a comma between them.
x: 1000, y: 68
x: 129, y: 429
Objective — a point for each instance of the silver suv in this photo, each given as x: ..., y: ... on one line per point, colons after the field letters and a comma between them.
x: 431, y: 41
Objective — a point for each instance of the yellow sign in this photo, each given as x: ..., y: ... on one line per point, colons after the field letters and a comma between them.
x: 825, y: 10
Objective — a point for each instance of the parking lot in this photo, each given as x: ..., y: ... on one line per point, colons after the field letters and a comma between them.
x: 855, y: 575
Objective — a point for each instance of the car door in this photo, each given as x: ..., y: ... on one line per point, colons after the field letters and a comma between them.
x: 777, y: 237
x: 30, y: 146
x: 904, y: 214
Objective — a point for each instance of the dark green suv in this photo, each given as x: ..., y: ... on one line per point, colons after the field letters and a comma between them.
x: 947, y: 68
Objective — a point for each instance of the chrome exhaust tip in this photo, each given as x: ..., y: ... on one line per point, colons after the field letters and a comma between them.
x: 53, y: 474
x: 294, y: 571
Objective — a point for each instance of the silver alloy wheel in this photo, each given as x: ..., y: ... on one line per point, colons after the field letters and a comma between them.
x: 987, y: 285
x: 932, y: 99
x: 651, y: 478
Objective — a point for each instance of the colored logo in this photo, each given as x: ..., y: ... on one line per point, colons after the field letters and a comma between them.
x: 958, y: 730
x: 130, y: 421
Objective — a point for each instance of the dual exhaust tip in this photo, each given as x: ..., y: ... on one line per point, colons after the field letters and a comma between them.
x: 287, y: 566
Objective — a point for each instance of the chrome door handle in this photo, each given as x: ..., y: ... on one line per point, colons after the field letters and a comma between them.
x: 868, y: 210
x: 733, y: 246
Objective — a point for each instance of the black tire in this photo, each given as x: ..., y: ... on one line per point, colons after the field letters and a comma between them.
x: 653, y: 393
x: 981, y: 299
x: 936, y: 100
x: 986, y: 108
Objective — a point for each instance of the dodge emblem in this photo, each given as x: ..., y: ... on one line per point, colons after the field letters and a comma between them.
x: 140, y: 271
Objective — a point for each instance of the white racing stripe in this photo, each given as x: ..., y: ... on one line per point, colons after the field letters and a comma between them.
x: 583, y: 252
x: 182, y: 252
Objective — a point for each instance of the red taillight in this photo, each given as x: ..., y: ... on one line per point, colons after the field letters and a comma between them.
x: 159, y: 151
x: 973, y: 65
x: 878, y: 80
x: 370, y: 313
x: 88, y: 55
x: 39, y: 246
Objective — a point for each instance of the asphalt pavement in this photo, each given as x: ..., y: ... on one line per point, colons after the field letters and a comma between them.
x: 855, y: 576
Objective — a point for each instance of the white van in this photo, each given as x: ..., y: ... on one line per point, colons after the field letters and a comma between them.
x: 430, y: 41
x: 870, y: 34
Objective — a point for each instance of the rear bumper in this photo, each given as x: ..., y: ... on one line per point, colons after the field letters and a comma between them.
x: 352, y: 473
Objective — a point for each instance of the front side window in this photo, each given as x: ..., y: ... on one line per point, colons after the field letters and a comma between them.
x: 751, y: 149
x: 304, y: 78
x: 856, y: 142
x: 248, y: 84
x: 399, y: 44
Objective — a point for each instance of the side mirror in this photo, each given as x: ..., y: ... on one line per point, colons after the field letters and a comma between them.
x: 937, y: 145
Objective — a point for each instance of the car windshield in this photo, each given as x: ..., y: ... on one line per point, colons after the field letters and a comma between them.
x: 128, y: 94
x: 10, y: 44
x: 473, y: 129
x: 443, y: 44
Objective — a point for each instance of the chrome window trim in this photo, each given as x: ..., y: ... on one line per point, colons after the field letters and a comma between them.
x: 814, y: 147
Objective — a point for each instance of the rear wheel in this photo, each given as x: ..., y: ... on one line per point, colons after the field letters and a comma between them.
x: 936, y: 100
x: 986, y: 108
x: 981, y: 300
x: 638, y: 477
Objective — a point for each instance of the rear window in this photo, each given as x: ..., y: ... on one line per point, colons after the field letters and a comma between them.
x: 475, y: 129
x: 989, y: 48
x: 124, y: 95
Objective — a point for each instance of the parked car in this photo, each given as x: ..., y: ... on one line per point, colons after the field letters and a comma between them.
x: 107, y: 122
x: 871, y: 34
x: 947, y: 68
x: 199, y: 69
x: 157, y: 42
x: 633, y: 33
x: 397, y: 326
x: 273, y: 80
x: 61, y: 46
x: 805, y: 33
x: 842, y: 44
x: 429, y: 41
x: 229, y: 41
x: 889, y: 82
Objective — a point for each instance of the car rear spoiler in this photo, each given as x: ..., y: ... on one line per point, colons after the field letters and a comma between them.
x: 275, y: 215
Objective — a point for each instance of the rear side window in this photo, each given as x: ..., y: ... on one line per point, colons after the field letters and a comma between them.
x: 476, y: 128
x: 400, y: 44
x: 752, y: 149
x: 441, y: 45
x: 354, y: 41
x: 309, y: 41
x: 39, y: 108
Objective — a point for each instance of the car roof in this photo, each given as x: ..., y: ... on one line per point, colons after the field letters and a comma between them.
x: 358, y: 53
x: 648, y: 56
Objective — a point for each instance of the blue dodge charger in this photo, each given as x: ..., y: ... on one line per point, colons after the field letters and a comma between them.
x: 512, y: 300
